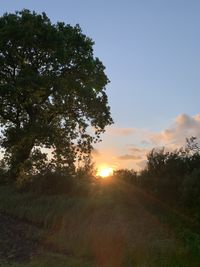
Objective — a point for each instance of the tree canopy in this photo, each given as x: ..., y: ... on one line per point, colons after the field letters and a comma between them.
x: 52, y: 89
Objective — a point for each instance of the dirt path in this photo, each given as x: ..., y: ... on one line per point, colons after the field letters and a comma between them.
x: 16, y: 240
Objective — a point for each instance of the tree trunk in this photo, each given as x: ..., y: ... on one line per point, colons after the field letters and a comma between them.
x: 20, y: 153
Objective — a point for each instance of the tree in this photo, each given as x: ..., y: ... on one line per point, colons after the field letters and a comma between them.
x: 52, y: 89
x: 127, y: 175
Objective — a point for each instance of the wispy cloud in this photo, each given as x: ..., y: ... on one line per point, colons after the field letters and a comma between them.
x: 120, y: 131
x: 137, y: 150
x: 129, y: 157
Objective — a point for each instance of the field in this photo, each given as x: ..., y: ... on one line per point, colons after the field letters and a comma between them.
x: 115, y: 225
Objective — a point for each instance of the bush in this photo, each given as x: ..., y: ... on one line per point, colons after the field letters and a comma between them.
x: 126, y: 175
x: 48, y: 183
x: 191, y: 189
x: 55, y: 182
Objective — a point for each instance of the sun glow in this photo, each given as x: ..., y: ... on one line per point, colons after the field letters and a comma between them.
x: 105, y: 171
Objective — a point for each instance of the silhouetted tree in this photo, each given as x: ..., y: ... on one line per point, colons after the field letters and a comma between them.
x: 174, y: 175
x: 52, y: 89
x: 126, y: 175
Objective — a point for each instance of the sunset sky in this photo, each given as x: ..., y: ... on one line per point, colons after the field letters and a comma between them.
x: 151, y: 50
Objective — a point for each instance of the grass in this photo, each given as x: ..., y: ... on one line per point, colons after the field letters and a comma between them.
x: 46, y: 211
x: 51, y: 260
x: 109, y: 228
x: 186, y: 230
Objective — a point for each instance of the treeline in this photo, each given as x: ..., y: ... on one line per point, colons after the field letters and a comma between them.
x: 171, y: 176
x: 41, y: 177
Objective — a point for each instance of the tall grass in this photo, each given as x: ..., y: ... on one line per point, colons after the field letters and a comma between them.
x: 109, y: 227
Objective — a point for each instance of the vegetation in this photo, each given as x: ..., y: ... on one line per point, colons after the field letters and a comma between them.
x: 174, y: 177
x: 52, y: 89
x: 171, y: 181
x: 109, y: 227
x: 124, y: 220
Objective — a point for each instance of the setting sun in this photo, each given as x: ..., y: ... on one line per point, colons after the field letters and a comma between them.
x: 105, y: 171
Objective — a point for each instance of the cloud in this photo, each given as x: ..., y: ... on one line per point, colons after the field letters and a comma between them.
x: 128, y: 147
x: 137, y: 150
x: 119, y: 131
x: 134, y: 154
x: 129, y: 157
x: 184, y: 126
x: 174, y: 136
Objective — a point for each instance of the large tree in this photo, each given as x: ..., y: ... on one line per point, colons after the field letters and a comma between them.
x: 52, y: 89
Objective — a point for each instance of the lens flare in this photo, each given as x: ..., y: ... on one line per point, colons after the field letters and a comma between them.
x: 105, y: 172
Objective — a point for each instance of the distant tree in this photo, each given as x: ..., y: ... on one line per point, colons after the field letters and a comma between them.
x: 52, y: 89
x: 126, y: 175
x: 87, y: 168
x: 156, y: 159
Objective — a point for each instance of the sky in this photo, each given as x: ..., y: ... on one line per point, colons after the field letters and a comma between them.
x: 151, y: 53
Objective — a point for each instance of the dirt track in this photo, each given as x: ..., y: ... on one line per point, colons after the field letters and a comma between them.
x: 16, y: 240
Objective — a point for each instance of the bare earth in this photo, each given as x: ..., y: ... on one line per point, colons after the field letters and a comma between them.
x: 16, y: 240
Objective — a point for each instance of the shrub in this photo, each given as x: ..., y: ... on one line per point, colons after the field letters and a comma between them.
x: 48, y: 182
x: 191, y: 189
x: 126, y: 175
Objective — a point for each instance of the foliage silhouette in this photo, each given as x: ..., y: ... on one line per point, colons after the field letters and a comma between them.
x: 174, y: 177
x: 52, y: 89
